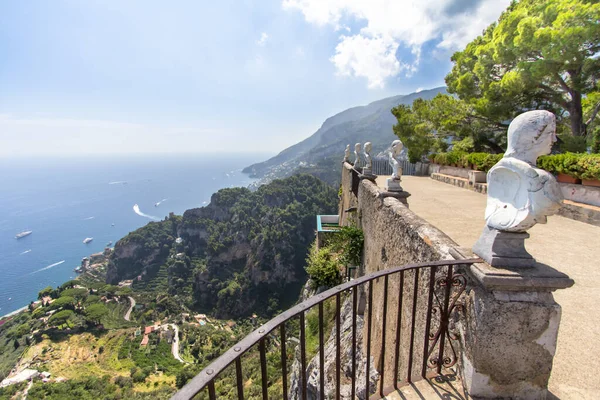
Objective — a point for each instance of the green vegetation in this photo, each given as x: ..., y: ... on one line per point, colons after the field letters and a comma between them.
x: 580, y: 166
x: 156, y: 356
x: 539, y: 55
x: 94, y: 388
x: 243, y: 252
x: 342, y: 248
x: 478, y: 161
x: 323, y: 267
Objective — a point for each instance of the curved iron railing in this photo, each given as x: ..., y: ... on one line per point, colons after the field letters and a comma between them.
x: 437, y: 279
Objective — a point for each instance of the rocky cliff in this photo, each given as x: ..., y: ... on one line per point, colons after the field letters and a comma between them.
x: 244, y: 252
x: 313, y: 368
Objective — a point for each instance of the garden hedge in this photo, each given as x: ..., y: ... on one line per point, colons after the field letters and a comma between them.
x: 577, y: 165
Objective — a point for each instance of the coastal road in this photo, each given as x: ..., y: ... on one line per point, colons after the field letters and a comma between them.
x: 128, y: 313
x: 175, y: 345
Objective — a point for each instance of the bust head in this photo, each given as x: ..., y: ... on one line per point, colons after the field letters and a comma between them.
x: 531, y: 135
x: 368, y: 147
x: 397, y: 147
x: 357, y: 147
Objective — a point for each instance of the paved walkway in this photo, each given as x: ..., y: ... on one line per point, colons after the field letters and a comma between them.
x: 569, y: 246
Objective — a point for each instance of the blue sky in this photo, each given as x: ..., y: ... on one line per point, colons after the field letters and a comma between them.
x: 93, y: 76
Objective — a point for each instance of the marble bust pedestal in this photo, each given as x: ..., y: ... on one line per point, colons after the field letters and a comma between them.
x: 500, y: 248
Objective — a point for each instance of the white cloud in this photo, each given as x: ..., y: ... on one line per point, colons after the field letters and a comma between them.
x: 419, y: 89
x: 263, y: 39
x: 372, y: 58
x: 391, y: 24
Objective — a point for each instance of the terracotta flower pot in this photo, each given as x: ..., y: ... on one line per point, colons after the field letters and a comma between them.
x: 564, y: 178
x: 591, y: 182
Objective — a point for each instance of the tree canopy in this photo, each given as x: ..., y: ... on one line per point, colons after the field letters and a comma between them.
x: 95, y: 312
x: 541, y: 54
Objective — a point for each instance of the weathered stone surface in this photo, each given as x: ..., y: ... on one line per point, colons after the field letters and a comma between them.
x: 313, y: 368
x: 520, y: 195
x: 395, y: 236
x: 508, y: 343
x: 449, y: 170
x: 393, y: 156
x: 506, y: 333
x: 581, y: 194
x: 499, y: 248
x: 368, y: 162
x: 357, y: 160
x: 580, y: 212
x: 477, y: 177
x: 347, y: 154
x: 460, y: 182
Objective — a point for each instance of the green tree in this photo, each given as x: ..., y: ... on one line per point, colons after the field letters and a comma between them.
x: 47, y: 291
x: 430, y: 125
x: 66, y: 302
x: 95, y: 312
x: 541, y: 54
x: 60, y: 317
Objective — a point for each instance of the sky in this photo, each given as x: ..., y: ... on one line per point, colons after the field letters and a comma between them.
x: 195, y: 76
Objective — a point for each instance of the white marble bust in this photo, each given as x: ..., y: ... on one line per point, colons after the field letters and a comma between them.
x: 519, y: 194
x: 357, y: 148
x: 347, y: 153
x: 393, y: 155
x: 368, y: 161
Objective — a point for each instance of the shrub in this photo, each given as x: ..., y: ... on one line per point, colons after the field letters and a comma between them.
x: 589, y: 165
x: 580, y: 166
x: 481, y: 161
x: 349, y: 242
x: 322, y: 267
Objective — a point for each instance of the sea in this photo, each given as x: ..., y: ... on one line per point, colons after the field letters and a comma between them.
x: 64, y: 201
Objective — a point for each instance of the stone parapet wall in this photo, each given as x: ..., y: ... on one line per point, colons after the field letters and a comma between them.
x: 507, y: 325
x: 448, y: 170
x: 460, y: 182
x: 394, y: 236
x: 581, y: 194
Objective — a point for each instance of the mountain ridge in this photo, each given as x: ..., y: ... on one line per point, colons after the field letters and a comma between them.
x: 317, y: 153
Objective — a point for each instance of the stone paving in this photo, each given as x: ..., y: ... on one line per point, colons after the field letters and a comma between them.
x: 570, y: 246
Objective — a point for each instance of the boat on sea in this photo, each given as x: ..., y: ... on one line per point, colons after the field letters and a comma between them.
x: 87, y: 240
x: 109, y: 244
x: 23, y: 234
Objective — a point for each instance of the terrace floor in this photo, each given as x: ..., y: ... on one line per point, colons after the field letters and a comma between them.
x: 570, y: 246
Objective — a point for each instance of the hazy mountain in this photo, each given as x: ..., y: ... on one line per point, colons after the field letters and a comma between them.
x: 320, y: 153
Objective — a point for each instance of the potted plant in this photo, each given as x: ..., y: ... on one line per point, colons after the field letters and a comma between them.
x: 590, y: 167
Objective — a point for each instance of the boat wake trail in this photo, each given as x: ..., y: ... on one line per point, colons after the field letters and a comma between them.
x: 136, y: 209
x: 48, y: 267
x: 160, y: 202
x: 25, y: 252
x: 88, y: 218
x: 117, y: 183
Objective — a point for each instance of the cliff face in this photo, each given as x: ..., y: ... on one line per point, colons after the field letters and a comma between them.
x: 244, y: 252
x: 313, y: 368
x: 142, y: 251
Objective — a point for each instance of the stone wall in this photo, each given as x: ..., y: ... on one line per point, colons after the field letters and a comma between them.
x: 507, y: 325
x: 394, y: 236
x: 448, y: 170
x: 581, y: 193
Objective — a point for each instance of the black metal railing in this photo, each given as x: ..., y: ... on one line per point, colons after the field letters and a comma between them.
x: 424, y: 306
